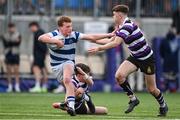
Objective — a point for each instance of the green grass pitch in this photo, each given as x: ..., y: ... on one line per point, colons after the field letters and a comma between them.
x: 38, y: 106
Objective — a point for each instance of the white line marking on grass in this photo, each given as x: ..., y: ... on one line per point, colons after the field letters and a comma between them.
x: 31, y: 114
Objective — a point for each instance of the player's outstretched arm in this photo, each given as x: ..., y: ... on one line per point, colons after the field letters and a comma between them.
x: 114, y: 43
x: 95, y: 37
x: 105, y: 41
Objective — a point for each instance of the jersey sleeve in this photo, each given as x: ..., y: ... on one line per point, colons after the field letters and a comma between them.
x: 78, y: 35
x: 53, y: 33
x: 124, y: 31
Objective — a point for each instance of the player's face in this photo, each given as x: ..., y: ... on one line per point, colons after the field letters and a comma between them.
x: 66, y: 29
x: 117, y: 17
x: 80, y: 77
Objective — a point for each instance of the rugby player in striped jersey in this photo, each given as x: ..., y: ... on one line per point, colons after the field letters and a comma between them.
x: 141, y: 57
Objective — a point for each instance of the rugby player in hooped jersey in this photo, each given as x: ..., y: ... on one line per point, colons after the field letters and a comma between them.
x: 63, y: 58
x: 141, y: 56
x: 83, y: 102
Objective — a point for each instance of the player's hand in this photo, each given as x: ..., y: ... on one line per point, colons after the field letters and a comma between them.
x: 111, y: 34
x: 59, y: 43
x: 93, y: 50
x: 80, y: 71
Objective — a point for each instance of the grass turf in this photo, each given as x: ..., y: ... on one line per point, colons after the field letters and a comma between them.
x: 38, y: 106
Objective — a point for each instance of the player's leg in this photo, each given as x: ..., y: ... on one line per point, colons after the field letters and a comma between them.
x: 16, y: 73
x: 9, y: 75
x: 44, y: 79
x: 37, y: 73
x: 68, y: 70
x: 123, y: 71
x: 81, y: 94
x: 152, y: 88
x: 101, y: 110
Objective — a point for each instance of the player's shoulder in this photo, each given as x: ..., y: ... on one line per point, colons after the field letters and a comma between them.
x: 54, y: 32
x: 74, y: 34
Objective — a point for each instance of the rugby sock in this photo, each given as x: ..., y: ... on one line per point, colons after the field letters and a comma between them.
x: 160, y: 100
x: 132, y: 97
x: 10, y: 86
x: 127, y: 88
x: 44, y: 86
x: 37, y: 84
x: 86, y: 97
x: 71, y: 101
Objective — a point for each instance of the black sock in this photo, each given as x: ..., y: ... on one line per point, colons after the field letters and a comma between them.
x: 127, y: 88
x: 160, y: 100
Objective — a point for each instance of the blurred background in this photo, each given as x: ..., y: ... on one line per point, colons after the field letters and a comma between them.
x: 159, y: 19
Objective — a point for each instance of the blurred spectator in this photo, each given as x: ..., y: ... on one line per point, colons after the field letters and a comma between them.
x: 176, y: 19
x: 3, y: 6
x: 11, y: 41
x: 169, y: 52
x: 39, y: 54
x: 24, y: 7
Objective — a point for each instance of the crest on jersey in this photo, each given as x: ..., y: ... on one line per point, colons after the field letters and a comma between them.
x: 149, y: 69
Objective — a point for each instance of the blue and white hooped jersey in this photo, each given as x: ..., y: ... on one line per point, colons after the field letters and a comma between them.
x: 67, y: 52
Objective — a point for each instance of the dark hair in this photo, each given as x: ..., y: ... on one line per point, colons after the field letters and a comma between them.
x: 10, y: 25
x: 121, y: 8
x: 63, y: 19
x: 33, y: 23
x: 84, y: 67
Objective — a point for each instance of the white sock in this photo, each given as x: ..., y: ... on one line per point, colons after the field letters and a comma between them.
x: 71, y: 104
x: 86, y: 97
x: 37, y: 84
x: 162, y: 105
x: 17, y: 85
x: 132, y: 97
x: 71, y: 101
x: 10, y: 86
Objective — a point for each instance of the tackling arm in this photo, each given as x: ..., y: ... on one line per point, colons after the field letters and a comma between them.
x: 104, y: 41
x: 95, y: 37
x: 117, y: 40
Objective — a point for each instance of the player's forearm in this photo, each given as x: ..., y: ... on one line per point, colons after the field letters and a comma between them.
x: 95, y: 37
x: 108, y: 46
x: 104, y: 41
x: 46, y: 39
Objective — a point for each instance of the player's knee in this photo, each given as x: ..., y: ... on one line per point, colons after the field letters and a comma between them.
x: 152, y: 91
x: 79, y: 93
x: 120, y: 77
x: 67, y: 80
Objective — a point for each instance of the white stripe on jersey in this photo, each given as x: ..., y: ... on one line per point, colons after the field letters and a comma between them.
x: 124, y: 31
x: 136, y: 31
x: 129, y: 24
x: 67, y: 47
x: 143, y: 58
x: 136, y: 41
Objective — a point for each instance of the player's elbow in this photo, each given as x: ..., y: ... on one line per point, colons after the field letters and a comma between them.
x: 40, y: 38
